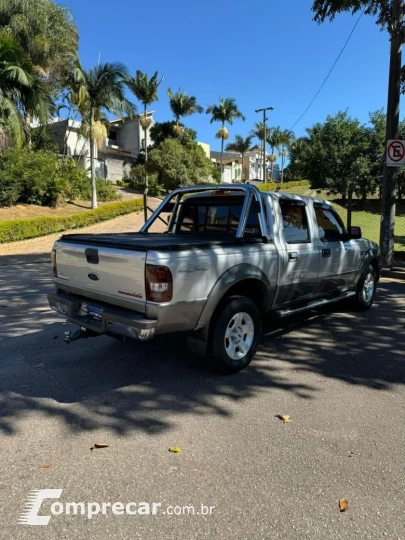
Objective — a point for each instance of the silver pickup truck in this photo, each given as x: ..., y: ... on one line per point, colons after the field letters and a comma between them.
x: 228, y: 255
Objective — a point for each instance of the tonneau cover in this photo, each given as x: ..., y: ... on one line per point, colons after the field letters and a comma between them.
x: 155, y: 241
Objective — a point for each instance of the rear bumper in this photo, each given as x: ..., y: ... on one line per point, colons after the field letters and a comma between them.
x: 112, y: 320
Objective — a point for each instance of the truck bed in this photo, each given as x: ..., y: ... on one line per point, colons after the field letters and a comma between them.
x: 155, y: 241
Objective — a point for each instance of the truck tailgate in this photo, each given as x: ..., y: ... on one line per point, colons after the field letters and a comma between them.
x: 114, y: 272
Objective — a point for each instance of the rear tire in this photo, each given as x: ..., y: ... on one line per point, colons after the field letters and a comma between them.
x: 366, y: 289
x: 234, y: 334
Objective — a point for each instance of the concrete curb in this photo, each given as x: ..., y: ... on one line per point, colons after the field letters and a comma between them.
x: 394, y: 273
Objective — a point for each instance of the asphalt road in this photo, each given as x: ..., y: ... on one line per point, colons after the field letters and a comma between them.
x: 340, y: 376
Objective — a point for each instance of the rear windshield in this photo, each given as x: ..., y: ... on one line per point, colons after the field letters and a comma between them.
x: 215, y: 218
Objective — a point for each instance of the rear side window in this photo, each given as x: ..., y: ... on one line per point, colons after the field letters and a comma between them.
x: 216, y: 218
x: 295, y: 222
x: 330, y: 226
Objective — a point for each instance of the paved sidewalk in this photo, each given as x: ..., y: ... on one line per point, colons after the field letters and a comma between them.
x: 38, y: 249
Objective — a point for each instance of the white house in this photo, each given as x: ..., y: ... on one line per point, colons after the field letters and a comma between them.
x: 114, y: 156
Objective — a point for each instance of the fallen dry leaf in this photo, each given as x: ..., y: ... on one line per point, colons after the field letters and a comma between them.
x: 343, y: 505
x: 285, y: 418
x: 99, y: 445
x: 45, y: 466
x: 175, y: 449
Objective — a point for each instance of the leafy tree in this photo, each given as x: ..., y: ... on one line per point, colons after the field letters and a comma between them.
x: 337, y: 157
x: 161, y: 131
x: 179, y: 165
x: 146, y: 90
x: 274, y: 140
x: 46, y: 33
x: 21, y: 91
x: 39, y: 177
x: 95, y: 90
x: 240, y: 145
x: 182, y: 105
x: 225, y: 112
x: 136, y: 180
x: 328, y: 9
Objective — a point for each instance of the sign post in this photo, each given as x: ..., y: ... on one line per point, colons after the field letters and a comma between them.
x: 395, y: 153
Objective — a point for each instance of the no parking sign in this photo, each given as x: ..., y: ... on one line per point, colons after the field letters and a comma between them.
x: 395, y: 153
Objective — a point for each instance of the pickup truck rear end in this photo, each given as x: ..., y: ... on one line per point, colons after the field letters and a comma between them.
x: 228, y: 257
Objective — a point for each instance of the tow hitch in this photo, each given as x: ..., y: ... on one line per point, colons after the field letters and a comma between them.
x: 80, y: 333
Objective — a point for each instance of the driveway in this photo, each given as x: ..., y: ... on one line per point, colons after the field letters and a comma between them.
x: 39, y: 249
x: 340, y: 376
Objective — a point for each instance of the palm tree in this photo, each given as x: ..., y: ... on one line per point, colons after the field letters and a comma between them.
x: 47, y: 34
x: 22, y: 93
x: 286, y: 138
x: 261, y: 132
x: 97, y: 89
x: 274, y: 141
x: 225, y: 112
x: 146, y: 90
x: 181, y: 105
x: 241, y: 146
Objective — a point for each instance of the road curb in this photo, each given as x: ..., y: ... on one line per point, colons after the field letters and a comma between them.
x: 394, y: 273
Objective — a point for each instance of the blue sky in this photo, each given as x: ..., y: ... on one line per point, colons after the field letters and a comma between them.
x: 261, y: 52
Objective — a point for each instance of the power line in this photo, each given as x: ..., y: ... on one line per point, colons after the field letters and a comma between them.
x: 331, y: 70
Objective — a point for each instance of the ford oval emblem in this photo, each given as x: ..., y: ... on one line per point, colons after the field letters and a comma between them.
x: 94, y: 277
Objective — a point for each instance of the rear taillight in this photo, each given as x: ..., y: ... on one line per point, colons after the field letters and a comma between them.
x: 53, y: 259
x: 158, y: 283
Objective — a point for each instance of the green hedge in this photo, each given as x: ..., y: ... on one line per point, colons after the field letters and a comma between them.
x: 22, y: 229
x: 272, y: 186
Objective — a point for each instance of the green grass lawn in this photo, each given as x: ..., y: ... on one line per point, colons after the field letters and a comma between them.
x: 365, y: 215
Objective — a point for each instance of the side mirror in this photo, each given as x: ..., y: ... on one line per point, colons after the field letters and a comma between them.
x: 355, y: 233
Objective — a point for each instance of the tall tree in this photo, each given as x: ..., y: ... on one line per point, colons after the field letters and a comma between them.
x: 146, y: 90
x: 47, y: 34
x: 182, y: 105
x: 389, y: 15
x: 240, y: 145
x: 261, y: 132
x: 286, y: 138
x: 274, y: 140
x: 225, y: 112
x: 297, y: 152
x: 101, y: 88
x: 21, y: 92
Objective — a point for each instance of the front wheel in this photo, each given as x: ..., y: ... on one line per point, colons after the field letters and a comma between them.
x: 235, y: 334
x: 366, y: 289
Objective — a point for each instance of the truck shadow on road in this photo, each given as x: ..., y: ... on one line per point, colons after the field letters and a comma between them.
x: 104, y: 384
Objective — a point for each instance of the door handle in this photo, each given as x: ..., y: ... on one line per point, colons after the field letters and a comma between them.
x: 326, y: 252
x: 293, y: 256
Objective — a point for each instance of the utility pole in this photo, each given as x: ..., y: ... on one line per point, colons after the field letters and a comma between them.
x: 390, y: 173
x: 264, y: 137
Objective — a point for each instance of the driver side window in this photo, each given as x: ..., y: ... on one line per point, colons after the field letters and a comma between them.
x: 330, y: 226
